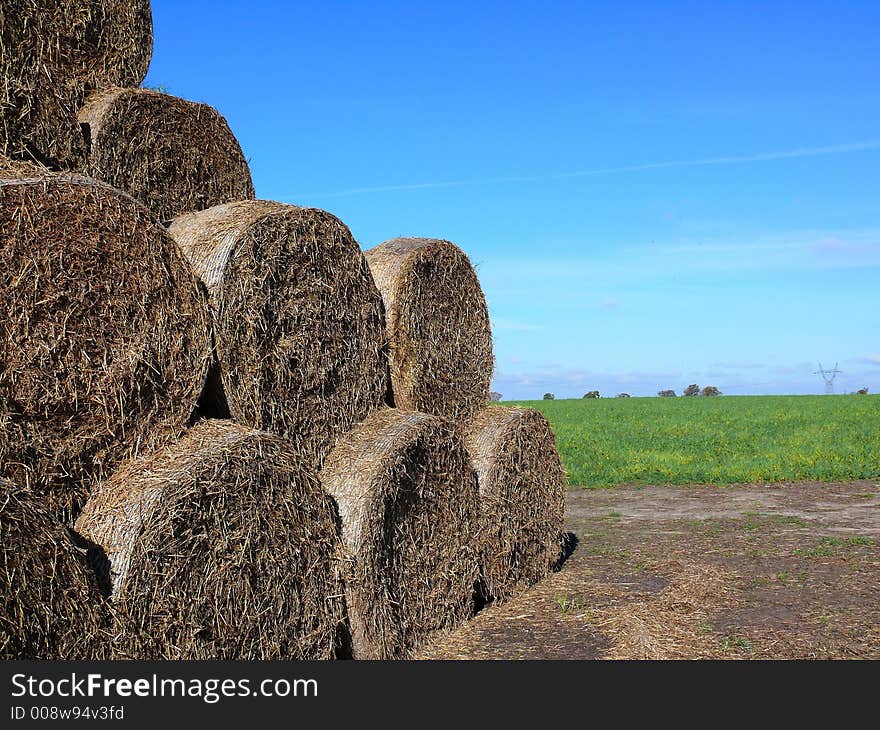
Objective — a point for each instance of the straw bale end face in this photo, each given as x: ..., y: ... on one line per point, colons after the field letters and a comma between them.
x: 174, y: 156
x: 219, y: 547
x: 297, y: 320
x: 53, y: 53
x: 50, y: 605
x: 522, y: 492
x: 407, y: 498
x: 440, y: 340
x: 105, y: 335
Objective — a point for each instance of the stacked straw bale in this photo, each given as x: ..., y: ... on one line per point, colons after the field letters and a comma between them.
x: 297, y: 320
x: 219, y: 547
x: 407, y: 496
x: 105, y: 334
x: 50, y: 605
x: 218, y: 541
x: 440, y: 342
x: 522, y: 487
x: 53, y: 53
x: 174, y: 156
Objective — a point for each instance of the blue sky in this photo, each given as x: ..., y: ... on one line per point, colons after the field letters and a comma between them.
x: 654, y: 193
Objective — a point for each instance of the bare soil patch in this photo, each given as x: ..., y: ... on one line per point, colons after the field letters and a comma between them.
x: 748, y: 571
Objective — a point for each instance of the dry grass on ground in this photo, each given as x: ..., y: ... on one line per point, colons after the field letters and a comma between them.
x: 747, y: 572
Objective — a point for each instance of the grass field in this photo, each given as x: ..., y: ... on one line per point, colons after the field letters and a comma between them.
x: 723, y: 440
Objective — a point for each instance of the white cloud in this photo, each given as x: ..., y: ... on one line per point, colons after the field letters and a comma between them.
x: 873, y: 359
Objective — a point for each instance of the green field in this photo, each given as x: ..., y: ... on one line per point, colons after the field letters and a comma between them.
x: 722, y: 440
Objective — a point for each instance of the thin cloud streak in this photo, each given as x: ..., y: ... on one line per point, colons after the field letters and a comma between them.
x: 708, y: 161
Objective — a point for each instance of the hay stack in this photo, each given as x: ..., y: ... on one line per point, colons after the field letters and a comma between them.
x: 219, y: 547
x: 53, y: 53
x: 297, y: 320
x: 522, y: 485
x: 50, y: 606
x: 438, y: 327
x: 104, y: 332
x: 407, y: 497
x: 174, y: 156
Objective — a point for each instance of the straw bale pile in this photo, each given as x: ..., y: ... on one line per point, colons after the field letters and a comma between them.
x: 271, y: 444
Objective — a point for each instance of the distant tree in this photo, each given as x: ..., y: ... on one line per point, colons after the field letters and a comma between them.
x: 623, y: 395
x: 592, y: 394
x: 862, y: 391
x: 666, y: 394
x: 549, y: 396
x: 692, y: 390
x: 710, y: 390
x: 494, y: 397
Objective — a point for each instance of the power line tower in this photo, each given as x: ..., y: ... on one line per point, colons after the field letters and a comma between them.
x: 828, y: 376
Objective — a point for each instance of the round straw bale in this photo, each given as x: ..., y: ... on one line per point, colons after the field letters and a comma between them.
x: 522, y: 488
x: 219, y: 547
x: 173, y: 155
x: 105, y: 333
x: 407, y: 497
x: 438, y: 326
x: 50, y: 605
x: 53, y: 53
x: 298, y: 321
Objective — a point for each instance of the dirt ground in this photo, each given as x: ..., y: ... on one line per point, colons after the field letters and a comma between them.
x: 743, y: 572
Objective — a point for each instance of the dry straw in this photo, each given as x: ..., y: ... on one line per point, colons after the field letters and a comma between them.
x: 297, y: 320
x: 407, y: 497
x: 219, y: 547
x: 173, y: 155
x: 20, y: 168
x: 438, y: 326
x: 50, y: 605
x: 104, y: 331
x: 53, y: 53
x: 522, y: 485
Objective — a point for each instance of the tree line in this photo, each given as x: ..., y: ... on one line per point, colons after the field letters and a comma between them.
x: 693, y: 390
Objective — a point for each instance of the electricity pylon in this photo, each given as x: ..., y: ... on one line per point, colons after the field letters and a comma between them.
x: 828, y: 376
